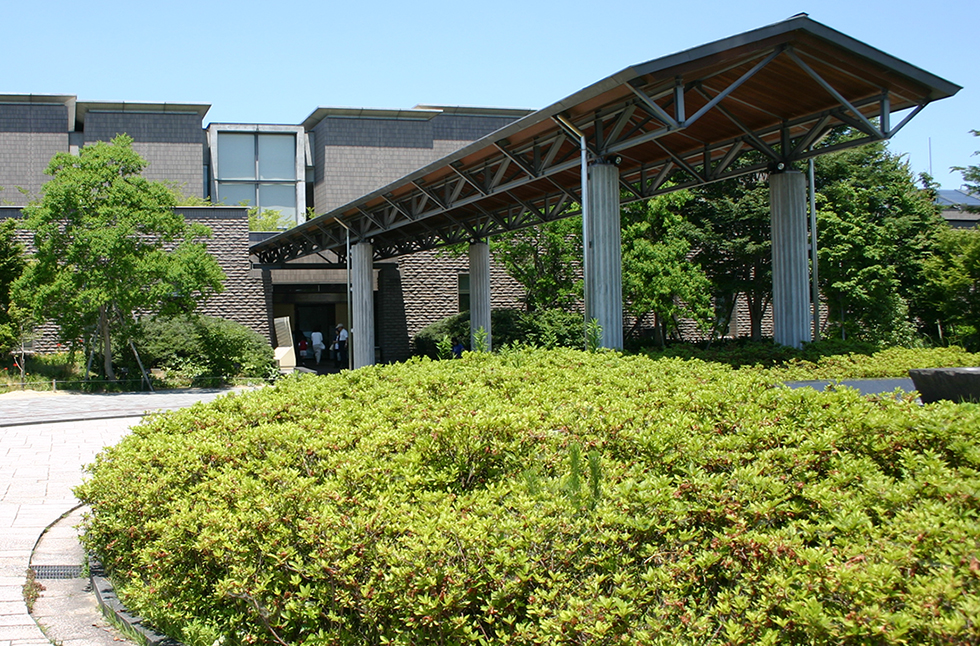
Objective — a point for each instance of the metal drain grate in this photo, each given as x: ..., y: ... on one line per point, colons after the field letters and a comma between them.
x: 57, y: 571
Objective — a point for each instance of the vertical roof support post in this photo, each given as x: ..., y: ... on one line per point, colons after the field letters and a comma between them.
x: 603, y: 239
x: 815, y: 275
x: 362, y: 297
x: 480, y: 292
x: 790, y: 264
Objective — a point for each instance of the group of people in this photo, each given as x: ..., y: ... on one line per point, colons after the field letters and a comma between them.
x: 315, y: 346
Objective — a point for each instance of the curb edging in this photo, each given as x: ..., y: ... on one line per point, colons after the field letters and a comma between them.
x: 105, y: 595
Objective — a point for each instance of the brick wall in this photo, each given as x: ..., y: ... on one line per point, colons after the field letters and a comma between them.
x: 247, y: 298
x: 424, y: 288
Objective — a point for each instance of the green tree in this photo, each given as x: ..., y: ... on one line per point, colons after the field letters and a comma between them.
x: 728, y: 224
x: 876, y: 229
x: 11, y: 267
x: 546, y: 261
x: 971, y: 174
x: 108, y: 245
x: 952, y: 284
x: 658, y: 276
x: 266, y: 220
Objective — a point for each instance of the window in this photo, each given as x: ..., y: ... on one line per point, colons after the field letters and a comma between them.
x: 258, y: 169
x: 464, y: 292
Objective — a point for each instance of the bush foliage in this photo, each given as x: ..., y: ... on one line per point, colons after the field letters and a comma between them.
x: 547, y: 497
x: 828, y: 359
x: 547, y: 328
x: 204, y: 349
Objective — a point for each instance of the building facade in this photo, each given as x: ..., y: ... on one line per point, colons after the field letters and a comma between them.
x: 332, y: 157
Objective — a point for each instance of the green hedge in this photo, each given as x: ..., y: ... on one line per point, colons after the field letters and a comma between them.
x: 547, y: 497
x: 542, y: 328
x: 205, y: 350
x: 828, y: 359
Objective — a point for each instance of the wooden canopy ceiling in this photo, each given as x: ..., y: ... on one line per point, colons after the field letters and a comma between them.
x: 777, y: 90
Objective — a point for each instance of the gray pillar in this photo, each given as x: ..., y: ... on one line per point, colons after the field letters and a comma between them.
x: 362, y: 303
x: 790, y: 264
x: 479, y: 291
x: 604, y: 255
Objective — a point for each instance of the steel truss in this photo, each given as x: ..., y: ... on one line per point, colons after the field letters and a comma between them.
x: 665, y: 135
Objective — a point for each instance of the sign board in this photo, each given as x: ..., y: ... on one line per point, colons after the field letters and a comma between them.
x: 285, y: 354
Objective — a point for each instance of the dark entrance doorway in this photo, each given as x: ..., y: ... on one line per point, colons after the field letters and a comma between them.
x: 311, y: 317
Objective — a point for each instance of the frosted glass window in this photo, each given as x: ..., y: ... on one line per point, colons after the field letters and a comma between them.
x: 277, y: 156
x: 235, y: 194
x: 236, y: 156
x: 281, y: 197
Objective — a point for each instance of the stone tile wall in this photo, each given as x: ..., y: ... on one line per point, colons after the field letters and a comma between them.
x: 356, y: 156
x: 172, y: 144
x: 30, y: 135
x: 245, y: 299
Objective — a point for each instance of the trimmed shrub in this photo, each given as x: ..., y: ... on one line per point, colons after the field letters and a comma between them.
x: 547, y: 497
x: 205, y: 349
x: 543, y: 328
x: 828, y: 359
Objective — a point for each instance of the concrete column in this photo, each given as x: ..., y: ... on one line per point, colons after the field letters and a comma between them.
x: 790, y: 264
x: 362, y: 304
x: 604, y: 255
x: 479, y: 291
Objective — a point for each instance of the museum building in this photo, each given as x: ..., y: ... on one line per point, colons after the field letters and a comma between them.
x: 374, y: 195
x: 333, y: 157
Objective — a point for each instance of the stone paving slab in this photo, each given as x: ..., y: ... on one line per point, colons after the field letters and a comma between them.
x: 25, y: 512
x: 67, y: 609
x: 28, y: 407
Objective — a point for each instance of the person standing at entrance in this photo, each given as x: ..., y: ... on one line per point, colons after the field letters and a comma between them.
x: 340, y: 345
x: 318, y: 346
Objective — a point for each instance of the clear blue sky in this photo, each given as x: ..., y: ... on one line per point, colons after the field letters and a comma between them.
x: 275, y: 62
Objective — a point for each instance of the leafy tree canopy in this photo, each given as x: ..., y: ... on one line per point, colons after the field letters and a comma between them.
x: 952, y: 285
x: 11, y: 267
x: 546, y: 260
x: 971, y: 174
x: 108, y: 245
x: 658, y: 276
x: 728, y: 224
x: 267, y: 220
x: 876, y: 228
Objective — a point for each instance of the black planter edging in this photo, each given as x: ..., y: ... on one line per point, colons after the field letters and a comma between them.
x: 105, y: 594
x: 953, y: 384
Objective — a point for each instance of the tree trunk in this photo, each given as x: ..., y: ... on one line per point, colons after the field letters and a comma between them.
x: 756, y: 309
x: 658, y: 333
x: 638, y: 323
x: 106, y: 343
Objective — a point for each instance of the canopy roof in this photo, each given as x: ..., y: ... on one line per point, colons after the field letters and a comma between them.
x: 690, y: 116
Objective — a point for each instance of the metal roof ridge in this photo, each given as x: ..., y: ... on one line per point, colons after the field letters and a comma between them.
x: 323, y: 112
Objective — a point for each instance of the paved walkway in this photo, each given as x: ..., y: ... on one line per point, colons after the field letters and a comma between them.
x: 19, y: 407
x: 41, y: 460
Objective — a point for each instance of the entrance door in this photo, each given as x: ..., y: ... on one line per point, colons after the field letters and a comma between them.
x: 311, y: 317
